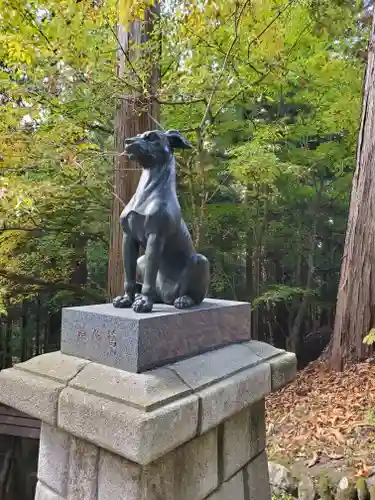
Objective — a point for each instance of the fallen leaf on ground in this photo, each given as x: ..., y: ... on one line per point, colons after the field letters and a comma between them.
x: 321, y: 410
x: 334, y: 456
x: 314, y: 460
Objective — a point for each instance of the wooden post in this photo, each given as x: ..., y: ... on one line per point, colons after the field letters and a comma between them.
x: 134, y: 115
x: 355, y: 310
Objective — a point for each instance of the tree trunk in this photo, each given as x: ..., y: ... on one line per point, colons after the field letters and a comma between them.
x: 135, y: 114
x: 355, y: 309
x: 24, y: 331
x: 37, y: 326
x: 8, y: 352
x: 294, y: 337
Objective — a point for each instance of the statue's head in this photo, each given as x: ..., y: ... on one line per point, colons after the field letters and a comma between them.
x: 154, y: 147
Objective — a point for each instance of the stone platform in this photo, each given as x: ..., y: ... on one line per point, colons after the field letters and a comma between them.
x: 143, y: 416
x: 193, y: 429
x: 137, y: 342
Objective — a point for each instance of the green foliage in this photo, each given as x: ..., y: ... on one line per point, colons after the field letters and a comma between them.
x: 370, y: 337
x: 57, y: 101
x: 281, y: 293
x: 371, y: 417
x: 362, y: 489
x: 325, y: 488
x: 279, y: 114
x: 269, y: 93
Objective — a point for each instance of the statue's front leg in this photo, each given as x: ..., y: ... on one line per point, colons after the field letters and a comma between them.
x: 154, y: 248
x: 130, y: 256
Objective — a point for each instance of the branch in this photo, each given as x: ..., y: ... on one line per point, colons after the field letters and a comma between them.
x: 234, y: 41
x: 234, y: 96
x: 219, y: 186
x: 101, y: 128
x: 194, y: 100
x: 27, y: 14
x: 216, y: 46
x: 299, y: 38
x: 125, y: 53
x: 257, y: 37
x: 182, y: 102
x: 153, y: 119
x: 167, y: 68
x: 25, y: 229
x: 52, y: 285
x: 41, y: 231
x: 264, y: 75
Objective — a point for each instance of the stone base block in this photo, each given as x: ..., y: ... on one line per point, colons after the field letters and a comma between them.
x: 192, y: 430
x: 187, y: 473
x: 190, y: 472
x: 244, y: 437
x: 75, y: 463
x: 256, y: 479
x: 42, y: 492
x: 142, y: 417
x: 233, y: 489
x: 53, y: 466
x: 137, y: 342
x: 250, y: 483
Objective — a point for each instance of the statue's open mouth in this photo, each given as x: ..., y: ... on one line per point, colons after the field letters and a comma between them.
x: 132, y: 148
x: 133, y: 151
x: 136, y: 152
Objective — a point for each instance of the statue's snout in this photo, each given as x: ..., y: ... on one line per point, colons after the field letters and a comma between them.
x: 132, y: 146
x: 130, y: 140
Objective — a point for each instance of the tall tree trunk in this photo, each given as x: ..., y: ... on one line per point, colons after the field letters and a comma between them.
x: 46, y: 334
x: 355, y: 309
x: 24, y: 331
x: 8, y: 352
x: 37, y: 326
x: 135, y: 114
x: 293, y: 340
x: 79, y: 271
x: 294, y: 337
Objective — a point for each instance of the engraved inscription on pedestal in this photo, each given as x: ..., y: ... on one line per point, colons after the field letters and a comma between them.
x: 137, y: 342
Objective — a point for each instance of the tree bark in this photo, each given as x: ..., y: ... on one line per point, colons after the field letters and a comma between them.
x: 355, y: 309
x: 37, y: 326
x: 294, y: 337
x: 135, y: 114
x: 8, y: 354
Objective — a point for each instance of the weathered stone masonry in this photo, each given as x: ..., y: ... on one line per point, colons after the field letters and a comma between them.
x: 191, y: 430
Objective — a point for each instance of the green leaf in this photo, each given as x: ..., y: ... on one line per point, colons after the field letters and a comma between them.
x: 369, y: 339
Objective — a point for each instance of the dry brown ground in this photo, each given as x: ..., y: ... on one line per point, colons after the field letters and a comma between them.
x: 325, y: 418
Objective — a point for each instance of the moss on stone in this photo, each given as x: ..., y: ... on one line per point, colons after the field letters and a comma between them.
x: 346, y: 489
x: 324, y: 488
x: 362, y: 489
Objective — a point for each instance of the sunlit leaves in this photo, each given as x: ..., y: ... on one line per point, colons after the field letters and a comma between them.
x: 57, y: 77
x: 370, y: 337
x: 270, y: 78
x: 281, y: 293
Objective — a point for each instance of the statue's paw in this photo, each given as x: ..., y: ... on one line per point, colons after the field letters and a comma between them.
x: 184, y: 302
x: 122, y: 302
x: 143, y: 304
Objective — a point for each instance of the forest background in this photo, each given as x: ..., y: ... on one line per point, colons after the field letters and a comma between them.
x: 268, y: 92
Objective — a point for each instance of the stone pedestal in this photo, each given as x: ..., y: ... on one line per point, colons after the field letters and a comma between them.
x: 189, y: 430
x: 137, y: 342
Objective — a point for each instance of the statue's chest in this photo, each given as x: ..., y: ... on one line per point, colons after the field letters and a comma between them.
x: 136, y: 227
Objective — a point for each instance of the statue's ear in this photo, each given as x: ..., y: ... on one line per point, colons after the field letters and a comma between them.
x: 177, y: 141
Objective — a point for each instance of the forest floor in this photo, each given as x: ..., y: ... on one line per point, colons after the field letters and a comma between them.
x: 325, y: 420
